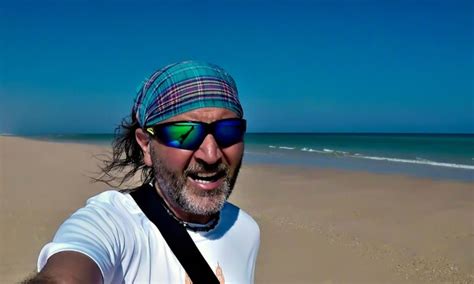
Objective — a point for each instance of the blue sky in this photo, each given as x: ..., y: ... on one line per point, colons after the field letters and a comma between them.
x: 301, y: 66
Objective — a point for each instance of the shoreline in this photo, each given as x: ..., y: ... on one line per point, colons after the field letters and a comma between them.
x: 313, y: 160
x: 317, y: 225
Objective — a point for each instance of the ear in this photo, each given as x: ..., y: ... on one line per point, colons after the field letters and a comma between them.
x: 145, y: 143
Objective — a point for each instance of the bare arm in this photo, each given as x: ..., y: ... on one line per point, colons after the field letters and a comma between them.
x: 68, y: 267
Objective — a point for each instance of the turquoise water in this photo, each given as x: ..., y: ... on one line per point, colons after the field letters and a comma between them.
x: 453, y: 149
x: 431, y: 155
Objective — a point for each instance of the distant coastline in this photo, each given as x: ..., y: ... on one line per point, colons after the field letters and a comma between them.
x: 435, y: 156
x: 270, y: 132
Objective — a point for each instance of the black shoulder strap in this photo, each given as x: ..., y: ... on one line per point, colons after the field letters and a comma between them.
x: 175, y: 235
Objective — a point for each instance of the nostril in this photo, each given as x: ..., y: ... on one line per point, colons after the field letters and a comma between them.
x: 208, y: 160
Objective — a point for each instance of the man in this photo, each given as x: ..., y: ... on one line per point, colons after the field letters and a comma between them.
x: 185, y: 135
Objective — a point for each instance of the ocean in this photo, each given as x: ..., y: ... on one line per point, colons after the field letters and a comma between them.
x: 435, y: 156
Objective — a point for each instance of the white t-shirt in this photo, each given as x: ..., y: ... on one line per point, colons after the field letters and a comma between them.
x: 128, y: 248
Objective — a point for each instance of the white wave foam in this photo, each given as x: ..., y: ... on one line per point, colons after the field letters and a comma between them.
x: 421, y: 162
x: 418, y: 160
x: 311, y: 150
x: 286, y: 148
x: 335, y: 152
x: 341, y: 153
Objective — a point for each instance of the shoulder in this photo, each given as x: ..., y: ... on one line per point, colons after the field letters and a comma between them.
x: 241, y: 219
x: 109, y: 197
x: 109, y: 211
x: 96, y: 230
x: 115, y: 206
x: 113, y: 201
x: 106, y: 208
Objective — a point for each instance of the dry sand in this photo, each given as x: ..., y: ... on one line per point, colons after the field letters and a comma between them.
x: 317, y: 226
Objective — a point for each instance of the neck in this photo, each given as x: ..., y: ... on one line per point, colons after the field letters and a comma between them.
x: 181, y: 214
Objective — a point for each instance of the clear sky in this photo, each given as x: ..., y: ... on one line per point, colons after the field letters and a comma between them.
x: 301, y: 66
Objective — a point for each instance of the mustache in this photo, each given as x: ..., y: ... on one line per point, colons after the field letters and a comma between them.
x: 219, y: 168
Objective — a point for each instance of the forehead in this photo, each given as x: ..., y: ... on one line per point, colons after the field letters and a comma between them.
x: 208, y: 114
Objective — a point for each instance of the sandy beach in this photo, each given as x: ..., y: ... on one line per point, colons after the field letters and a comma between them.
x: 317, y: 226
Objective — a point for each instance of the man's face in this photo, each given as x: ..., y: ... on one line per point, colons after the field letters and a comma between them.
x: 197, y: 182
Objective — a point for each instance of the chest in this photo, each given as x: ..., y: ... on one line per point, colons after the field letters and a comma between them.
x: 146, y: 258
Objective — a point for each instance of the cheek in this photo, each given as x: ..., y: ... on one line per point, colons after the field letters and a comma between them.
x: 175, y: 160
x: 233, y: 154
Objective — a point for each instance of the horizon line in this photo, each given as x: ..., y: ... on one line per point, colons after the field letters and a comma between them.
x: 263, y: 132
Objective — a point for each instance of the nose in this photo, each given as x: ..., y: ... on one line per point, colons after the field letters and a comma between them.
x: 209, y: 151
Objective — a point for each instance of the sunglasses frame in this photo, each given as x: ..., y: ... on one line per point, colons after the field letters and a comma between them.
x: 209, y: 128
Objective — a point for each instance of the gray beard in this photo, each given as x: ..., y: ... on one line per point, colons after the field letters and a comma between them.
x: 191, y: 200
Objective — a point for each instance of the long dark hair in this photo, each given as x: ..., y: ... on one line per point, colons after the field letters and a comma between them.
x: 126, y: 159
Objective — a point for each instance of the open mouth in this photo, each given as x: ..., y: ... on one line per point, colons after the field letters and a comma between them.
x: 205, y: 178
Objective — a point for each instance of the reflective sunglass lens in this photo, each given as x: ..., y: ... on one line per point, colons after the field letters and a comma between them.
x: 229, y: 132
x: 190, y: 135
x: 182, y: 135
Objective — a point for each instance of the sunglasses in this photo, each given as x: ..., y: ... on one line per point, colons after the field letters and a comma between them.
x: 189, y: 135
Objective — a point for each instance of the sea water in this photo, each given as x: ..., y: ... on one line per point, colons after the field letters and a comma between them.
x: 438, y: 156
x: 426, y: 155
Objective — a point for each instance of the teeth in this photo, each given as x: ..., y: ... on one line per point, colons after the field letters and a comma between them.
x: 205, y: 175
x: 205, y: 178
x: 202, y: 181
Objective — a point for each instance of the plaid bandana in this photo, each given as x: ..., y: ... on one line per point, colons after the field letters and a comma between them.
x: 182, y: 87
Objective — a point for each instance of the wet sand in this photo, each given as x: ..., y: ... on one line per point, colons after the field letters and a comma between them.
x: 317, y: 226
